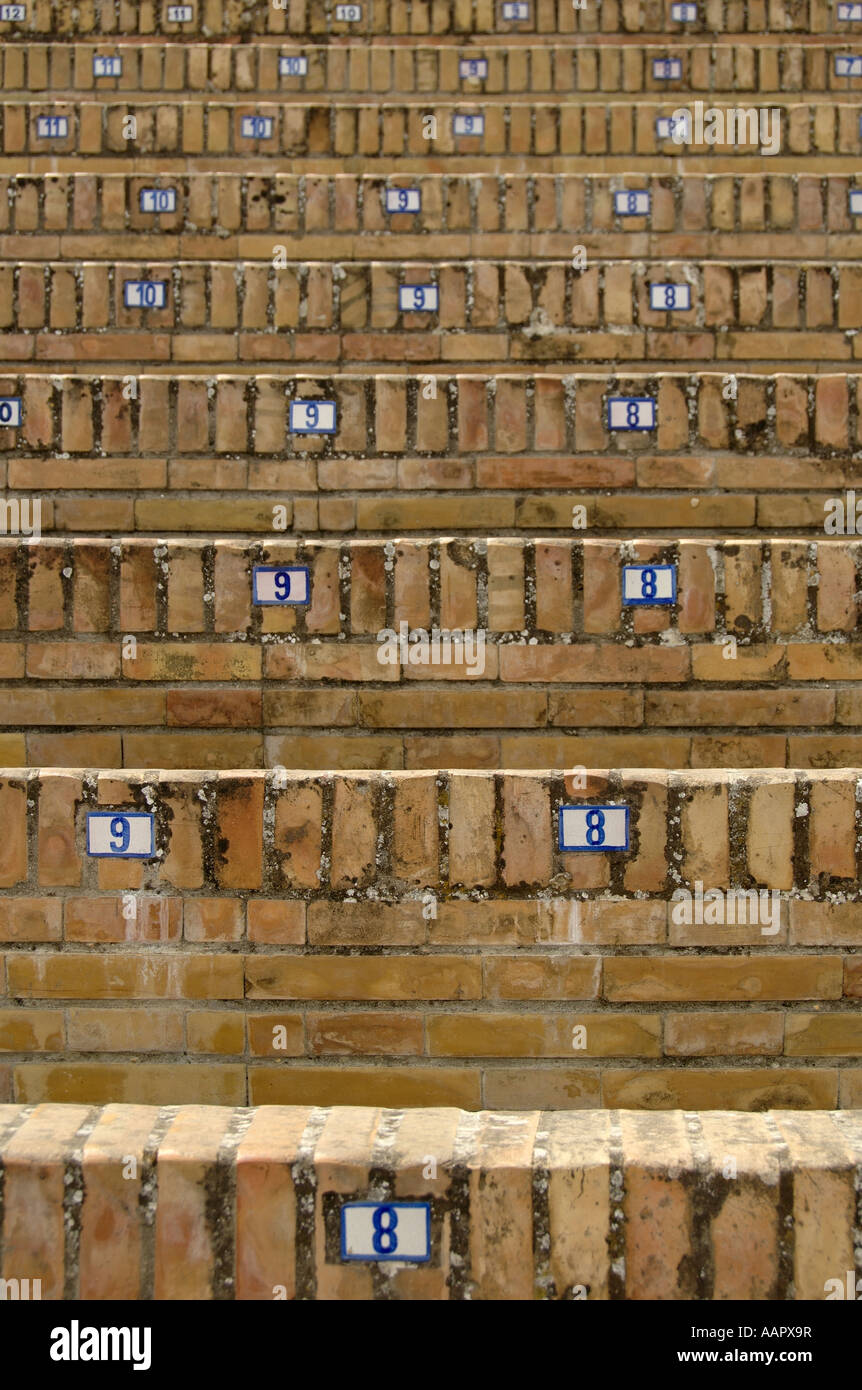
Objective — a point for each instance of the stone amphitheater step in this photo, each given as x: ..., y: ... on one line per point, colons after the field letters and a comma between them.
x: 537, y: 216
x: 761, y: 67
x: 444, y: 19
x: 138, y: 653
x: 492, y: 313
x: 408, y: 939
x: 518, y: 136
x: 160, y: 454
x: 521, y: 1206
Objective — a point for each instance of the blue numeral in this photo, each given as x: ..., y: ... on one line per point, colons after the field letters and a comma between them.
x: 595, y: 827
x: 120, y: 826
x: 385, y: 1233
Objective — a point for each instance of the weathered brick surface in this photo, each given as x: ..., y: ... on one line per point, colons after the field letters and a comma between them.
x: 518, y: 135
x: 764, y: 66
x: 704, y: 216
x: 421, y: 19
x: 409, y: 934
x: 456, y: 966
x: 565, y: 673
x: 717, y: 1206
x: 224, y: 313
x: 534, y: 447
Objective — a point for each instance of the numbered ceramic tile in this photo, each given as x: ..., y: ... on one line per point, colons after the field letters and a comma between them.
x: 348, y: 14
x: 856, y: 202
x: 674, y: 128
x: 631, y: 413
x: 120, y: 835
x: 312, y: 417
x: 280, y: 584
x: 683, y: 13
x: 107, y: 67
x: 851, y: 12
x: 417, y: 297
x: 11, y: 411
x: 386, y: 1231
x: 666, y: 296
x: 516, y: 10
x: 848, y: 65
x: 588, y: 829
x: 403, y: 200
x: 145, y: 294
x: 667, y: 69
x: 468, y: 124
x: 256, y: 127
x: 13, y: 12
x: 180, y: 14
x: 473, y: 67
x: 158, y: 200
x: 631, y: 202
x: 52, y: 127
x: 649, y: 584
x: 293, y: 65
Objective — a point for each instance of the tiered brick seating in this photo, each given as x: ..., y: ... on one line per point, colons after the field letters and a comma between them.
x: 405, y: 814
x: 265, y: 845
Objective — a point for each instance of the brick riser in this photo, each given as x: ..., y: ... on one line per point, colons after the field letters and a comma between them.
x: 145, y: 652
x: 416, y: 939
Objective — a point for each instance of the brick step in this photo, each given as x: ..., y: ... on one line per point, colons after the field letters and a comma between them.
x: 138, y: 651
x: 536, y: 135
x: 319, y: 313
x: 228, y: 451
x: 296, y: 934
x: 748, y: 70
x: 382, y: 19
x: 520, y: 1205
x: 315, y: 217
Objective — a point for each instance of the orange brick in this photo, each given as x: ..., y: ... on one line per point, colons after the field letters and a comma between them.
x: 34, y: 1165
x: 185, y: 1254
x: 111, y: 1240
